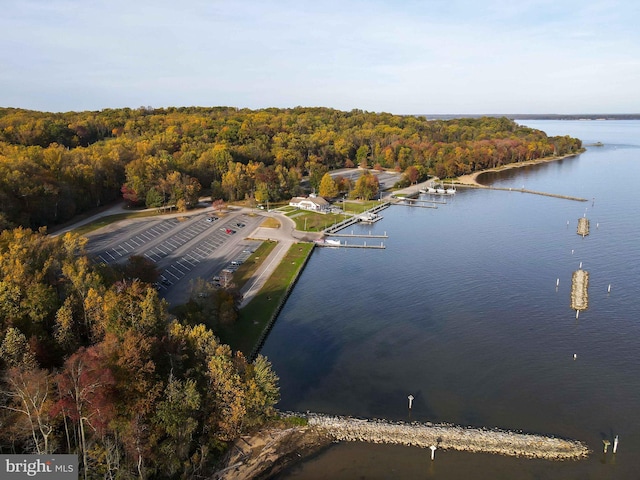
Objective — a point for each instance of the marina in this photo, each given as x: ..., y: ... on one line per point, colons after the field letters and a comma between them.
x: 469, y: 318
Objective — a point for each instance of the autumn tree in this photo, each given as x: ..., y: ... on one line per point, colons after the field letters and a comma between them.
x: 328, y: 186
x: 28, y: 395
x: 366, y: 186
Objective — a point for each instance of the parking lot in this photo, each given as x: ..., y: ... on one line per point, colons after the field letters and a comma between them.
x: 183, y: 249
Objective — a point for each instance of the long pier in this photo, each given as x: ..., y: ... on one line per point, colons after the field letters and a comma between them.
x: 524, y: 190
x: 359, y: 235
x: 446, y: 436
x: 349, y: 245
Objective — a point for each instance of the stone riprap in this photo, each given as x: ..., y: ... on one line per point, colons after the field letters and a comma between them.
x: 445, y: 436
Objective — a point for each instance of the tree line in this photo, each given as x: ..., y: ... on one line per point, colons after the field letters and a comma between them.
x: 92, y: 364
x: 56, y: 165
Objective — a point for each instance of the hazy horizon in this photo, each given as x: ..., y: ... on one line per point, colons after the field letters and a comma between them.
x: 454, y: 57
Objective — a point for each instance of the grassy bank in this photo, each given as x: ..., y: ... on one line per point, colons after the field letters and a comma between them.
x: 256, y: 317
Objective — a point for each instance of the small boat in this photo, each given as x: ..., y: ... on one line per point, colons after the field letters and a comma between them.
x: 332, y: 242
x: 452, y: 190
x: 441, y: 190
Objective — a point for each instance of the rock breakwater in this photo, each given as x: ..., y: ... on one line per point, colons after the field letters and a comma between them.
x: 444, y: 436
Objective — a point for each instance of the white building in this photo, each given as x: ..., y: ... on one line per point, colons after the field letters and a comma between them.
x: 312, y: 202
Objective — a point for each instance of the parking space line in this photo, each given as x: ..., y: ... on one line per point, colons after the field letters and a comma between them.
x: 180, y: 272
x: 192, y: 258
x: 186, y: 267
x: 174, y: 276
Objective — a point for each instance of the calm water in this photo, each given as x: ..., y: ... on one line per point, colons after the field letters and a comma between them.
x: 461, y: 310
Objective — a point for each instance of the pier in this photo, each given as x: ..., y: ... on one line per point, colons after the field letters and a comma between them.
x: 583, y: 226
x: 359, y: 235
x: 369, y: 216
x: 350, y: 245
x: 448, y: 437
x: 579, y: 290
x: 523, y: 190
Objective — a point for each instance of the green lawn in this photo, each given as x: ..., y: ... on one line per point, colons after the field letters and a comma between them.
x: 255, y: 317
x: 316, y: 222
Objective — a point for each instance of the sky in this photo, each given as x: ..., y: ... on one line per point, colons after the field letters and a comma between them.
x: 397, y: 56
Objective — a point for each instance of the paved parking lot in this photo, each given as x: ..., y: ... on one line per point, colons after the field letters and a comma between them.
x: 183, y: 248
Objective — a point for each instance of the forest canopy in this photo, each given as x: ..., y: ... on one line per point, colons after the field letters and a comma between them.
x: 56, y: 165
x: 93, y: 365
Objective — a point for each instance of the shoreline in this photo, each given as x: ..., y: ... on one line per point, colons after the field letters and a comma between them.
x: 274, y: 449
x: 471, y: 179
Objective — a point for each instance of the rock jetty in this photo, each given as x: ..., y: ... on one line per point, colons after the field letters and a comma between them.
x: 583, y: 227
x: 444, y: 436
x: 580, y: 290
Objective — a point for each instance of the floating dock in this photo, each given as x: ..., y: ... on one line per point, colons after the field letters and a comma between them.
x: 579, y: 290
x: 583, y: 226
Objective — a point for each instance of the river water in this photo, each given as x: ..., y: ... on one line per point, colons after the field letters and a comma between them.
x: 461, y: 311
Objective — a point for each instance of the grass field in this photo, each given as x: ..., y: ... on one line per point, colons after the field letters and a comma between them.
x: 256, y: 316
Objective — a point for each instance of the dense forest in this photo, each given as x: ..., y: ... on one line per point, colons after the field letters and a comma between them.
x: 56, y: 165
x: 91, y: 363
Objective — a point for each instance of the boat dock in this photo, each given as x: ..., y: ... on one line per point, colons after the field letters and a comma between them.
x: 349, y: 245
x: 359, y: 235
x: 370, y: 216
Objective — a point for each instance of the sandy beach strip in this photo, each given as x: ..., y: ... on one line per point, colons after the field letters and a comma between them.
x: 472, y: 178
